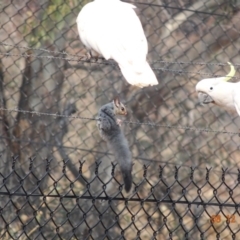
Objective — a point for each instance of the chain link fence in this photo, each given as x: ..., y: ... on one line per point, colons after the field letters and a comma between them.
x: 168, y: 203
x: 58, y: 179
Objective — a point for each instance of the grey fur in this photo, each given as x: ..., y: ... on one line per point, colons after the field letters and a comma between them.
x: 111, y: 132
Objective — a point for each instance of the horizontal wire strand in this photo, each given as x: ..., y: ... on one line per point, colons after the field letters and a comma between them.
x: 130, y: 199
x: 152, y: 124
x: 107, y: 153
x: 177, y: 8
x: 76, y: 55
x: 37, y: 49
x: 111, y: 63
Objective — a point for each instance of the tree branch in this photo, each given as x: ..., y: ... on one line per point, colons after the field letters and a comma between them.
x: 3, y: 116
x: 63, y: 125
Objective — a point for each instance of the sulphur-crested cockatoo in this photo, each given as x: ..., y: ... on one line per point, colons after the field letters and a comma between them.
x: 113, y: 29
x: 220, y: 92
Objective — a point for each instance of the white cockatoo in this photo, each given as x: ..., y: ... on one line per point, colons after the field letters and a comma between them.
x: 113, y: 29
x: 220, y: 92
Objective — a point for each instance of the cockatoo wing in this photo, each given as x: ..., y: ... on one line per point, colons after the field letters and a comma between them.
x: 236, y: 97
x: 113, y: 29
x: 91, y: 29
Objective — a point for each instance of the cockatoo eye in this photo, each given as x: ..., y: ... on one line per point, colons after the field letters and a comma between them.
x: 211, y: 88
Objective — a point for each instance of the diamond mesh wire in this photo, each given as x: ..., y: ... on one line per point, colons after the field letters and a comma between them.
x: 58, y: 179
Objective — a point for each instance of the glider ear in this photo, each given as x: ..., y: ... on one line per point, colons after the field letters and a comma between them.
x: 116, y: 101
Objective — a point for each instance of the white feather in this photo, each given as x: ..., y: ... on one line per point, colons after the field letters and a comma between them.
x: 113, y: 29
x: 220, y: 92
x: 236, y: 97
x: 224, y: 94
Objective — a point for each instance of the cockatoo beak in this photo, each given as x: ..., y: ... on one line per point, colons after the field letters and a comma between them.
x: 204, y: 98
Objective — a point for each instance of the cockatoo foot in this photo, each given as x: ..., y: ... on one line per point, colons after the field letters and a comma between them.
x: 98, y: 57
x: 86, y: 57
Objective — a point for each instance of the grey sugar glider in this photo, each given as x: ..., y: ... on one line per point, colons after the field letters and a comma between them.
x: 110, y: 131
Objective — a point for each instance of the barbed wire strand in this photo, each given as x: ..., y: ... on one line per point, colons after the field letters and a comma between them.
x: 195, y: 63
x: 37, y: 49
x: 79, y: 56
x: 152, y: 124
x: 176, y: 71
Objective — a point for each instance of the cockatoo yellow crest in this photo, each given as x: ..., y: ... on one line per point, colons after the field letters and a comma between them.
x: 231, y: 73
x: 113, y: 29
